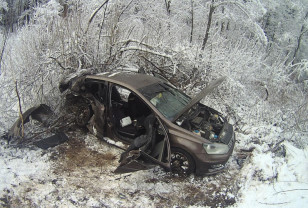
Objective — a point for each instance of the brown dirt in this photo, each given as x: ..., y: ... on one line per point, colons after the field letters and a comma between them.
x: 75, y: 155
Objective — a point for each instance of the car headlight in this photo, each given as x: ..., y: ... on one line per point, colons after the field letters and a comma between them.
x: 216, y: 148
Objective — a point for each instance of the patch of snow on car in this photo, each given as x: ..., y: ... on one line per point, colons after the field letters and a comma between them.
x: 103, y: 73
x: 116, y: 143
x: 111, y: 75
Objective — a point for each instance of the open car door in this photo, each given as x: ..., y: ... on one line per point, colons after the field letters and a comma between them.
x: 146, y: 158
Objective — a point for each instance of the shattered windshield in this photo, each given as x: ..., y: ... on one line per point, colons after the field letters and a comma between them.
x: 168, y: 100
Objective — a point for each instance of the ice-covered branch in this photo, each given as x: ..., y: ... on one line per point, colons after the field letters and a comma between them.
x: 147, y: 51
x: 95, y: 13
x: 20, y: 110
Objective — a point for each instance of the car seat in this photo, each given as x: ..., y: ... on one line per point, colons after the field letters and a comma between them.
x: 146, y: 141
x: 136, y: 107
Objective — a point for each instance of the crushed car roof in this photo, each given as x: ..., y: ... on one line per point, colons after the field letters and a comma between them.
x: 136, y: 81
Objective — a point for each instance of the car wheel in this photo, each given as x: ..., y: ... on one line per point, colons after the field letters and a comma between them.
x: 181, y: 162
x: 80, y: 109
x: 83, y: 115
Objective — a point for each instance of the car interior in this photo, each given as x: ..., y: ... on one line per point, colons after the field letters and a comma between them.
x: 132, y: 120
x: 130, y: 117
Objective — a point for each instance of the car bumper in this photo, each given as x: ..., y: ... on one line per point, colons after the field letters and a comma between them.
x: 211, y: 164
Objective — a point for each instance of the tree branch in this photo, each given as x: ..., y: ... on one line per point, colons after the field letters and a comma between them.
x: 209, y: 22
x: 94, y: 14
x: 192, y: 21
x: 20, y: 111
x: 291, y: 190
x: 126, y: 42
x: 3, y: 48
x: 147, y: 51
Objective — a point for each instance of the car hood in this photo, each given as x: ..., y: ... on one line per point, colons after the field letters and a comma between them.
x: 207, y: 90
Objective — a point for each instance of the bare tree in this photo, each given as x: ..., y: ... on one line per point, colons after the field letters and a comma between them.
x: 192, y: 20
x: 167, y: 3
x: 20, y: 110
x: 299, y: 40
x: 3, y: 48
x: 209, y: 22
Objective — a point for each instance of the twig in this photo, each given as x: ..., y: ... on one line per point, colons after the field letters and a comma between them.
x: 58, y: 62
x: 147, y: 51
x: 122, y: 12
x: 162, y: 72
x: 125, y: 176
x: 267, y: 94
x: 49, y: 130
x: 275, y: 148
x: 100, y: 32
x: 20, y: 111
x: 291, y: 190
x: 274, y: 203
x: 53, y: 125
x: 94, y: 14
x: 247, y: 150
x: 126, y: 42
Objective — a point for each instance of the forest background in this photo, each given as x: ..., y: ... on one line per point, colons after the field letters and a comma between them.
x: 261, y: 46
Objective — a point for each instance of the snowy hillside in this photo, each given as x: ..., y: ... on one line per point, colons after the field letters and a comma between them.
x: 260, y: 46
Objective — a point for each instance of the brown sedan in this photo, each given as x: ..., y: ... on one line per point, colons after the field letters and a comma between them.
x: 153, y: 122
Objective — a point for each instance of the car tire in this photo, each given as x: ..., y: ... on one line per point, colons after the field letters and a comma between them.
x: 83, y: 115
x: 182, y: 162
x: 80, y: 109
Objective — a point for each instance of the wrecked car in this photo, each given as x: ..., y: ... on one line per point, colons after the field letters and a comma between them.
x: 157, y: 123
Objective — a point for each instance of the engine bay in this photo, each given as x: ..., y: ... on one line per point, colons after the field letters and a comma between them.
x: 203, y: 121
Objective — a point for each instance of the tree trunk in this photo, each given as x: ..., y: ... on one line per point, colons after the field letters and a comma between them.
x: 20, y: 110
x: 299, y: 40
x: 3, y: 48
x: 167, y: 3
x: 192, y: 21
x: 65, y: 10
x: 209, y: 22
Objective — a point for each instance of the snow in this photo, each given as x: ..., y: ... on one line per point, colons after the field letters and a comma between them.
x: 113, y: 74
x: 265, y: 103
x: 274, y: 181
x: 290, y: 187
x: 21, y: 166
x: 58, y: 177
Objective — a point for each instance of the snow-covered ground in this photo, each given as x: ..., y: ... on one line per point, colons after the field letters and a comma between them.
x: 273, y: 176
x: 79, y: 173
x: 265, y: 96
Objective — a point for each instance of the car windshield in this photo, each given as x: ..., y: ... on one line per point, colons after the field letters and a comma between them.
x: 168, y: 100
